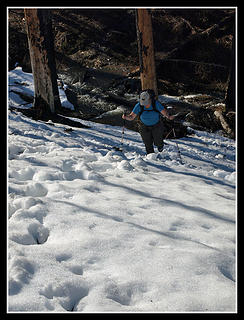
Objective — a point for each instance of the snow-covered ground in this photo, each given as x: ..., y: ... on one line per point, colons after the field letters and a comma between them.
x: 92, y: 229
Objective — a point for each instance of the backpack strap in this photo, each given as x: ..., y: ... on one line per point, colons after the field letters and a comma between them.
x: 152, y: 95
x: 141, y: 111
x: 153, y: 105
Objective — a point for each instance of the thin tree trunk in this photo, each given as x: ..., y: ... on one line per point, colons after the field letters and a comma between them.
x: 230, y: 100
x: 41, y: 48
x: 146, y: 50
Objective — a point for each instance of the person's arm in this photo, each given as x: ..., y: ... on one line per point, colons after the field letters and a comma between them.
x: 129, y: 117
x: 165, y: 113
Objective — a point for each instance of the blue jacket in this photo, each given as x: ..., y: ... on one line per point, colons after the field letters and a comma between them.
x: 149, y: 117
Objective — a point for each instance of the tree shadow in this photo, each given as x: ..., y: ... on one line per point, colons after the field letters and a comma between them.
x: 171, y: 235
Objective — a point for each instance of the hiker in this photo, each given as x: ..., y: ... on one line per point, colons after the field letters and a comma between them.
x: 150, y: 125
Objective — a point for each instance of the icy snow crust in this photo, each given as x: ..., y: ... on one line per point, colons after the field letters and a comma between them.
x: 92, y: 229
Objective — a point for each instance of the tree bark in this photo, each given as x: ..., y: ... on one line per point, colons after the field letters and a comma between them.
x: 41, y: 48
x: 146, y: 50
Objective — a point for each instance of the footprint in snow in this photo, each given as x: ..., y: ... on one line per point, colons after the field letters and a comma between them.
x: 126, y: 293
x: 67, y: 165
x: 34, y: 233
x: 36, y: 189
x: 228, y: 270
x: 174, y: 226
x: 25, y: 204
x: 76, y: 270
x: 21, y: 272
x: 36, y: 212
x: 22, y: 174
x: 121, y: 294
x: 63, y: 257
x: 68, y: 294
x: 38, y: 232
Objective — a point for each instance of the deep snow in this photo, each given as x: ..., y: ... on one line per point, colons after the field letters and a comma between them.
x: 92, y: 229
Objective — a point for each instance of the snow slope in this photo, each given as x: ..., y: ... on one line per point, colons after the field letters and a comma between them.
x: 92, y: 229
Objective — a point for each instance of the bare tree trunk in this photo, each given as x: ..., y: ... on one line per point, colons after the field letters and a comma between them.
x: 219, y: 115
x: 230, y: 100
x: 41, y: 47
x: 227, y: 118
x: 146, y: 50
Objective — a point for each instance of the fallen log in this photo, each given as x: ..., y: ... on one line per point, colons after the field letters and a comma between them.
x: 54, y: 117
x: 119, y: 100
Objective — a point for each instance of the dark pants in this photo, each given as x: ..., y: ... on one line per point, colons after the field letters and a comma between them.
x: 152, y: 135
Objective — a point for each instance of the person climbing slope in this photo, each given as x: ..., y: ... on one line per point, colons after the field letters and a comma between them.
x: 150, y: 125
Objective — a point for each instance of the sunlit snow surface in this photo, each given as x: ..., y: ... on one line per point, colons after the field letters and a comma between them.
x: 92, y: 229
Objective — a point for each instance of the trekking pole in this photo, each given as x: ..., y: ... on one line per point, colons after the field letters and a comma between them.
x: 123, y: 132
x: 168, y: 134
x: 177, y: 146
x: 122, y: 137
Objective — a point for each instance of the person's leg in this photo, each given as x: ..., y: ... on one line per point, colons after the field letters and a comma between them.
x: 157, y: 133
x: 147, y: 138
